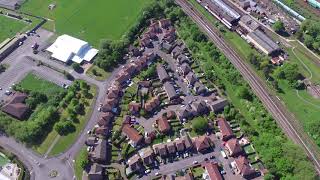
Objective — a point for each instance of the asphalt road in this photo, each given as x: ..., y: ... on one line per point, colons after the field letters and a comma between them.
x: 285, y: 119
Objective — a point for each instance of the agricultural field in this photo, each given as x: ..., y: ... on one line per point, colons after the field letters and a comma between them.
x: 9, y: 27
x: 88, y: 20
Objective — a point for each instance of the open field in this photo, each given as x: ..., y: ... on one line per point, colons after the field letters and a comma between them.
x: 108, y: 19
x: 9, y: 27
x: 34, y: 83
x: 99, y: 75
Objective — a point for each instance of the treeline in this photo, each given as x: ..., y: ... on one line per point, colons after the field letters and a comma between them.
x: 309, y: 34
x: 283, y: 159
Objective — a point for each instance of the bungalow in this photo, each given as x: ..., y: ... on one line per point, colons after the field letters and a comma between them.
x: 164, y: 23
x: 134, y: 107
x: 200, y: 89
x: 217, y: 105
x: 199, y: 107
x: 16, y: 106
x: 180, y: 145
x: 203, y: 144
x: 162, y: 74
x: 135, y: 163
x: 170, y: 91
x: 163, y: 124
x: 191, y: 78
x: 96, y: 172
x: 100, y: 151
x: 147, y: 156
x: 151, y: 104
x: 134, y: 137
x: 233, y: 147
x: 211, y: 171
x: 185, y: 69
x: 243, y: 167
x: 171, y: 146
x: 161, y: 150
x: 225, y: 129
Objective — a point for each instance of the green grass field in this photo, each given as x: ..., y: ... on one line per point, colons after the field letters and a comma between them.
x: 9, y: 27
x: 88, y: 20
x: 34, y: 83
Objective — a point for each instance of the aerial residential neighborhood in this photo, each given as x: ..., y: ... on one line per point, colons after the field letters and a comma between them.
x: 167, y: 89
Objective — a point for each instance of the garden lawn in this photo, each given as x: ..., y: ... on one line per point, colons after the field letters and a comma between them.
x: 86, y: 19
x: 65, y: 142
x: 34, y: 83
x: 9, y: 27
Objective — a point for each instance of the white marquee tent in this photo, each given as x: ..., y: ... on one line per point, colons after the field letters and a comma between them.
x: 67, y: 48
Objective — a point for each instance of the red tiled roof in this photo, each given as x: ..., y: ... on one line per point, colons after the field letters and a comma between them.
x: 243, y: 166
x: 233, y: 147
x: 16, y: 107
x: 132, y: 133
x: 213, y: 170
x: 202, y: 143
x: 163, y: 124
x: 134, y: 107
x: 225, y: 129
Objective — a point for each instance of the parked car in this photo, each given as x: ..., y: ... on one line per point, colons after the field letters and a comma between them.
x: 147, y: 171
x: 195, y: 162
x: 224, y: 154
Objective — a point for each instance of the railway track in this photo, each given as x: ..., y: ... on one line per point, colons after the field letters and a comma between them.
x: 286, y: 121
